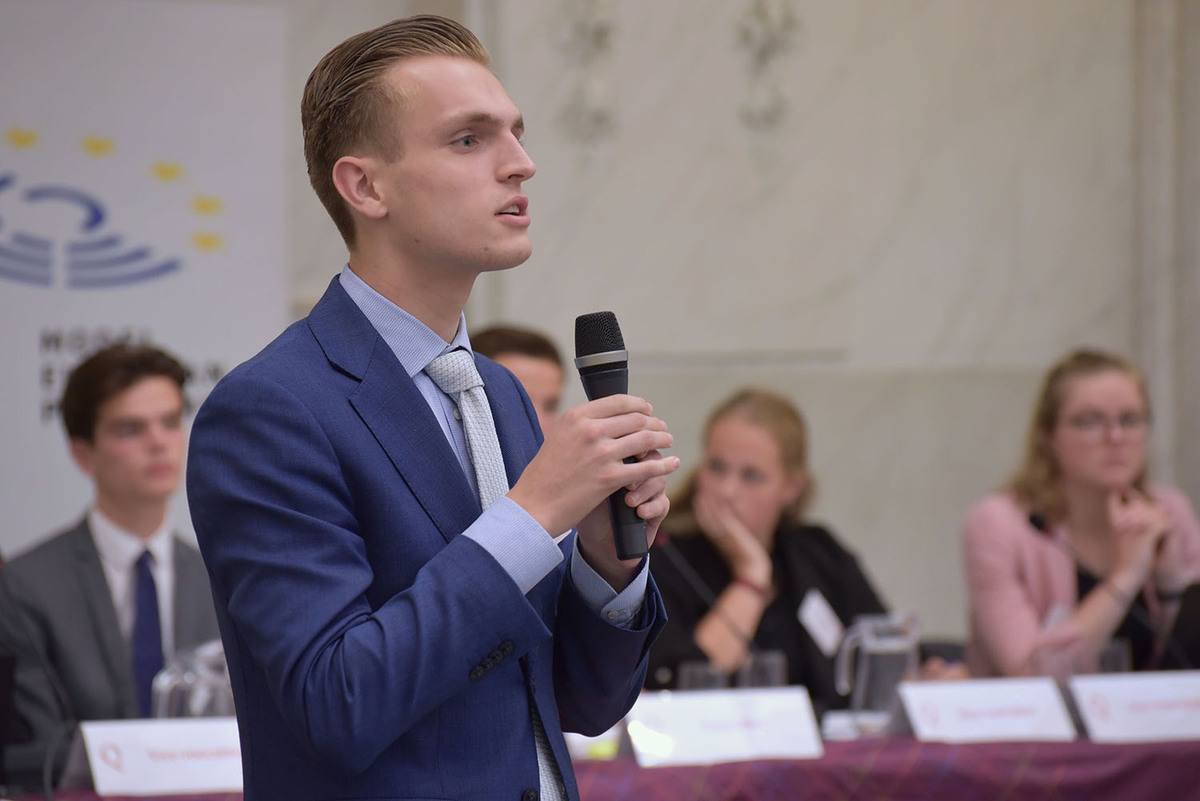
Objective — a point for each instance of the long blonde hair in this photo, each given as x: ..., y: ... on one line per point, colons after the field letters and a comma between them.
x: 1037, y: 483
x: 786, y: 425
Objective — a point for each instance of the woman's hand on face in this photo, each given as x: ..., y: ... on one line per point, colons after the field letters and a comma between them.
x: 742, y: 551
x: 1139, y: 525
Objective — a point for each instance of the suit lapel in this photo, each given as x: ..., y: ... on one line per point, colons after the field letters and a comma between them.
x: 114, y: 653
x: 191, y: 583
x: 391, y: 406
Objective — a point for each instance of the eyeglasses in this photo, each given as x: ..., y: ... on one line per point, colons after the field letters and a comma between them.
x: 1095, y: 425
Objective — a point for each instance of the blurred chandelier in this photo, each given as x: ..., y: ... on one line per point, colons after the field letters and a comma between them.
x: 767, y: 31
x: 585, y: 36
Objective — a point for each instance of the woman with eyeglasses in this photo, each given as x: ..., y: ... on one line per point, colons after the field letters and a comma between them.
x: 1078, y: 559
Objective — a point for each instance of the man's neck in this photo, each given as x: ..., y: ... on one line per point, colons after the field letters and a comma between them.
x: 141, y: 520
x: 435, y: 297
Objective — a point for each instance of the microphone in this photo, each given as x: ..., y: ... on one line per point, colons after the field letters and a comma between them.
x: 603, y: 365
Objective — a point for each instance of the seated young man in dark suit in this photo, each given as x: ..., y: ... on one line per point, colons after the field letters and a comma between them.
x: 91, y: 612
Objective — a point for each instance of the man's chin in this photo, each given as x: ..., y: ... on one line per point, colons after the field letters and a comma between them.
x: 507, y: 260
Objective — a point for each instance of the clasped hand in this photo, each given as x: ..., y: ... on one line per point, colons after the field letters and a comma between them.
x: 582, y: 462
x: 1145, y: 543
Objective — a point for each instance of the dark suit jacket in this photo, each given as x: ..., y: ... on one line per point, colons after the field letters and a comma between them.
x: 65, y: 603
x: 374, y: 652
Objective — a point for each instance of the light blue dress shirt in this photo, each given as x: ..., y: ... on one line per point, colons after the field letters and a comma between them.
x: 518, y: 543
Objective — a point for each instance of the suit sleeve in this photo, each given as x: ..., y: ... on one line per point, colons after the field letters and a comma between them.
x: 599, y: 667
x: 38, y: 715
x: 277, y: 524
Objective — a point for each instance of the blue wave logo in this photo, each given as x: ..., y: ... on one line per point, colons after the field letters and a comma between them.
x: 56, y: 233
x: 93, y: 258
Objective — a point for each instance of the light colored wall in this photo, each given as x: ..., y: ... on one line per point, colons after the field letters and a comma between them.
x: 960, y: 190
x: 956, y: 195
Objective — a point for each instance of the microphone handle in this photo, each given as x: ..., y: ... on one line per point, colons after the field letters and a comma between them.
x: 629, y: 530
x: 604, y: 381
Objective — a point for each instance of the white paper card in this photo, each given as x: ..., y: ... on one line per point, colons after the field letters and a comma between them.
x: 821, y: 621
x: 1139, y: 707
x: 987, y: 710
x: 164, y: 756
x: 705, y: 726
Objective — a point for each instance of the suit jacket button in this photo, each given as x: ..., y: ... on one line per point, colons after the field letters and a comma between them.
x: 506, y: 647
x: 477, y: 673
x: 529, y: 795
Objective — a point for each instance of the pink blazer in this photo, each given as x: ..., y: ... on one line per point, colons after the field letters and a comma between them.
x: 1022, y: 588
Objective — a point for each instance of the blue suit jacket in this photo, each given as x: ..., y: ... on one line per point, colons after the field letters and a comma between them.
x: 375, y: 653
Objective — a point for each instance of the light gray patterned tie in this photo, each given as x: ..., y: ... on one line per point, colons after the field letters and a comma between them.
x: 455, y: 374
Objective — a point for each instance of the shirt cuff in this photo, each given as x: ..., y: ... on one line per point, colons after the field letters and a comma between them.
x: 618, y: 608
x: 518, y: 542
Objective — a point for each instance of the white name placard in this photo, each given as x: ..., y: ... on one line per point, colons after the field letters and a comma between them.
x: 1139, y: 707
x: 163, y: 756
x: 986, y: 710
x: 705, y: 726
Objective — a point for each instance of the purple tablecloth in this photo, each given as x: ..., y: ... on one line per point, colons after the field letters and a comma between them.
x: 896, y: 769
x: 901, y: 769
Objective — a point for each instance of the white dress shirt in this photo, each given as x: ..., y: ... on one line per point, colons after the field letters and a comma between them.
x: 119, y: 552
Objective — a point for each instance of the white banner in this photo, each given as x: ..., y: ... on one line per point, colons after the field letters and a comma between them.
x: 141, y: 197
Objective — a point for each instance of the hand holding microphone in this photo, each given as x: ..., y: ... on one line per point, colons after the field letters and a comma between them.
x: 608, y: 447
x: 603, y: 365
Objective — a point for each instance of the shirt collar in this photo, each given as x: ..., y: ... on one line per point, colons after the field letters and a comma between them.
x: 121, y: 549
x: 414, y: 343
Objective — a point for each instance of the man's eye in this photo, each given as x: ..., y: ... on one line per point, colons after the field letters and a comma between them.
x: 467, y: 141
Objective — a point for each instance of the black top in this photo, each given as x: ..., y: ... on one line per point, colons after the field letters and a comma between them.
x: 805, y: 558
x: 1135, y: 628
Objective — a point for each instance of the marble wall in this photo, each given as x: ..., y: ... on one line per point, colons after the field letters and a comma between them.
x: 948, y: 201
x: 954, y: 192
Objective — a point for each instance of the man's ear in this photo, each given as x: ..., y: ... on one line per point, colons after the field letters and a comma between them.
x: 354, y: 177
x: 81, y: 453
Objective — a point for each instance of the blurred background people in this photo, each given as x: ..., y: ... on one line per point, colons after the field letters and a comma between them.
x: 1079, y: 555
x: 534, y: 359
x: 767, y: 577
x: 91, y: 612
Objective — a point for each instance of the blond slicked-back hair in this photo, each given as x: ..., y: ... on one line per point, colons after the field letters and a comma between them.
x: 348, y: 109
x: 1037, y: 483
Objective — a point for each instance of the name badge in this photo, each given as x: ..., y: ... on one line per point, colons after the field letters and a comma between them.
x: 821, y: 622
x: 987, y: 710
x: 706, y: 726
x: 1139, y: 707
x: 169, y: 756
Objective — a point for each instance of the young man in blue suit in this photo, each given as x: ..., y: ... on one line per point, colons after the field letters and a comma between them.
x: 391, y: 631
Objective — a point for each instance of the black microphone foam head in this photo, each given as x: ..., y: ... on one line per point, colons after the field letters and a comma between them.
x: 597, y: 332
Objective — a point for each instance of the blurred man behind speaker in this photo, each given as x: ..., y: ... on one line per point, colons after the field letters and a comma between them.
x: 534, y: 359
x: 91, y: 612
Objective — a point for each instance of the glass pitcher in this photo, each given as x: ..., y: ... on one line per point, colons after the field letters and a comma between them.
x: 194, y: 683
x: 887, y: 647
